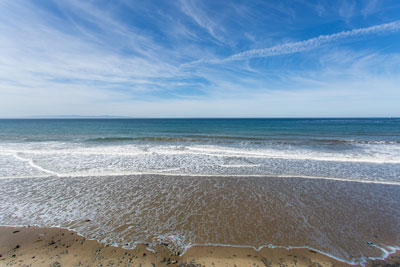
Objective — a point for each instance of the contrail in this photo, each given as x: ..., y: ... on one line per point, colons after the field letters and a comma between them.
x: 294, y: 47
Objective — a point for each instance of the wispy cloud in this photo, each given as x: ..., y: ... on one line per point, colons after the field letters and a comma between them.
x: 347, y: 9
x: 195, y: 12
x: 370, y: 7
x: 127, y: 59
x: 47, y: 51
x: 313, y: 43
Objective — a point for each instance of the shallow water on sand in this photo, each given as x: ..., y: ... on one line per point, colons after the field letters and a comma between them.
x: 336, y: 217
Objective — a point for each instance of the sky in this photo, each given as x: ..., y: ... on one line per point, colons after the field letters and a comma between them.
x: 193, y: 58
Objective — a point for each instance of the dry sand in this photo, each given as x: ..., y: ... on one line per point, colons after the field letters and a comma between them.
x: 34, y: 246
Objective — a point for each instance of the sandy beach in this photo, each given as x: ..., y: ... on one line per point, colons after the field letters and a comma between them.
x: 34, y: 246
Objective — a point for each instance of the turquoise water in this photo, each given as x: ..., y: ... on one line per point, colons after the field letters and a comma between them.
x: 208, y: 130
x: 356, y: 149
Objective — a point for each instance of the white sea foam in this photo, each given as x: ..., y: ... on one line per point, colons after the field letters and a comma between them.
x: 239, y: 165
x: 77, y: 175
x: 385, y: 153
x: 367, y: 163
x: 35, y: 166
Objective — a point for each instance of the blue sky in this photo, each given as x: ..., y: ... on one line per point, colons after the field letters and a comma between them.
x: 210, y: 58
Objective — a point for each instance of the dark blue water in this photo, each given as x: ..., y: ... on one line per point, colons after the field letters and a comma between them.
x: 308, y: 130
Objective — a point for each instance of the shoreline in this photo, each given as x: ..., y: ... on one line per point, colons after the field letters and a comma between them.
x: 288, y: 176
x: 42, y: 246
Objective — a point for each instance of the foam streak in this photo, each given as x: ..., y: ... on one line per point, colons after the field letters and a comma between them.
x: 31, y: 163
x: 74, y: 175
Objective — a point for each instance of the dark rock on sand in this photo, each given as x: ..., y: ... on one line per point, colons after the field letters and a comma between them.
x: 266, y: 262
x: 185, y: 264
x: 55, y: 264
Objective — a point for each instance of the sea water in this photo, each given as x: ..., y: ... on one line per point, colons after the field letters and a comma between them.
x: 328, y: 184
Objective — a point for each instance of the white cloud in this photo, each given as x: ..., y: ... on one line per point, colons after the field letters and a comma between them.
x: 52, y: 66
x: 294, y: 47
x: 39, y: 50
x: 301, y: 46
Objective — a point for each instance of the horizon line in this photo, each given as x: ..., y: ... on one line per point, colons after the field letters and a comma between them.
x: 128, y: 117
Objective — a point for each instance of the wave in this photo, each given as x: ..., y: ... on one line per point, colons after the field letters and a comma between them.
x: 35, y: 166
x: 227, y: 137
x: 184, y: 138
x: 371, y: 154
x: 243, y: 139
x: 200, y: 139
x: 146, y: 138
x: 373, y: 142
x: 162, y: 174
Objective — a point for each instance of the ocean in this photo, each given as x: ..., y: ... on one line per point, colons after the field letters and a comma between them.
x: 332, y: 185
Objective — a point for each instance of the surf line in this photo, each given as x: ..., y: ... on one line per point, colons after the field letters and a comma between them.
x: 161, y: 173
x: 220, y: 153
x: 35, y: 166
x: 362, y: 261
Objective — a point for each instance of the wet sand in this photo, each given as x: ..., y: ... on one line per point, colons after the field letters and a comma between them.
x: 34, y: 246
x: 348, y: 220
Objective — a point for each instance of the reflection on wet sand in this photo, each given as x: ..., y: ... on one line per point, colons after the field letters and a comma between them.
x: 347, y: 220
x: 21, y: 246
